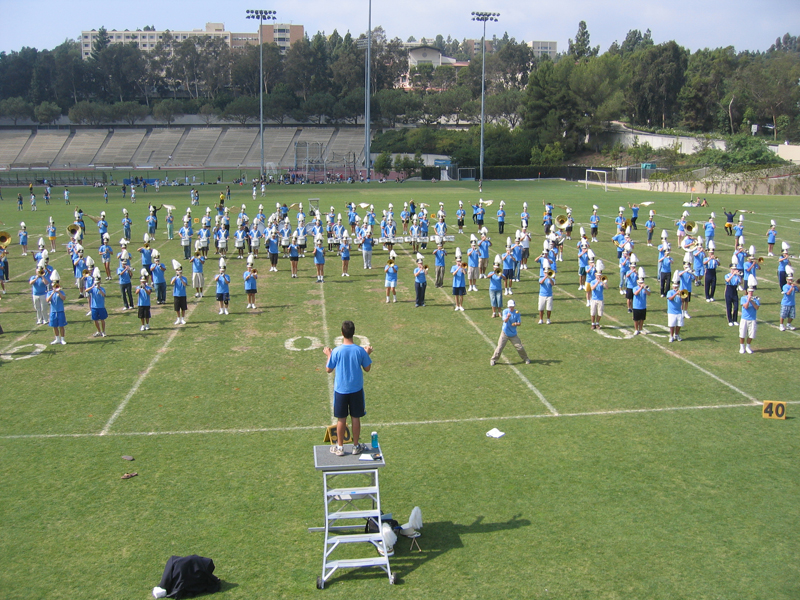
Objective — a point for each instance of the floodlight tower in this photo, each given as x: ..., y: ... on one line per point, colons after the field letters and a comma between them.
x: 483, y: 17
x: 261, y: 16
x: 367, y: 88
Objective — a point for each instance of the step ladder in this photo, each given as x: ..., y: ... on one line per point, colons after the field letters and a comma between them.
x: 343, y: 506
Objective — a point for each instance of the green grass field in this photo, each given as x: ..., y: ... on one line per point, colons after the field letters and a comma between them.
x: 630, y: 467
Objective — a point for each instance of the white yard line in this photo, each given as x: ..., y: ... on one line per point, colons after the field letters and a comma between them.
x: 245, y: 430
x: 159, y: 353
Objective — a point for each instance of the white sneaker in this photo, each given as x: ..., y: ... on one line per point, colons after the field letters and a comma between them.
x: 394, y: 298
x: 141, y: 328
x: 791, y: 327
x: 54, y: 342
x: 177, y: 321
x: 548, y: 321
x: 387, y: 299
x: 226, y: 311
x: 747, y: 348
x: 736, y: 323
x: 183, y: 321
x: 510, y: 292
x: 221, y: 311
x: 456, y: 308
x: 461, y: 308
x: 782, y: 327
x: 64, y: 343
x: 741, y: 350
x: 540, y: 322
x: 687, y: 315
x: 588, y: 304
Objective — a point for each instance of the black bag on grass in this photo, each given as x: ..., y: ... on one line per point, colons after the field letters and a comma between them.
x: 187, y: 576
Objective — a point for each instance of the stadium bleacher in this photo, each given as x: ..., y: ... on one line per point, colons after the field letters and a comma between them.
x: 158, y: 146
x: 196, y: 146
x: 232, y: 147
x: 277, y: 141
x: 120, y: 148
x: 43, y: 148
x: 81, y: 148
x: 11, y: 144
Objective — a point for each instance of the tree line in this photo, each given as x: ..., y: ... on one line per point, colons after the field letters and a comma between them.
x: 537, y: 108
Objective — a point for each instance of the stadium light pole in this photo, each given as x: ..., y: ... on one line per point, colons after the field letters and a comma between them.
x: 367, y: 86
x: 483, y: 17
x: 261, y: 16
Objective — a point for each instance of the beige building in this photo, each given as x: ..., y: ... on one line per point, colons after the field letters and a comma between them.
x: 282, y: 34
x: 544, y: 48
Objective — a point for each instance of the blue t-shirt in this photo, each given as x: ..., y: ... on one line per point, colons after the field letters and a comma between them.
x: 508, y: 260
x: 419, y: 275
x: 788, y: 299
x: 709, y: 230
x: 56, y: 303
x: 666, y: 264
x: 197, y: 264
x: 391, y: 272
x: 439, y: 256
x: 640, y: 298
x: 598, y: 290
x: 97, y: 300
x: 39, y: 286
x: 495, y: 282
x: 458, y: 276
x: 749, y: 311
x: 124, y: 275
x: 484, y: 246
x: 147, y: 255
x: 673, y: 302
x: 250, y: 283
x: 144, y: 297
x: 514, y: 319
x: 179, y: 287
x: 319, y: 256
x: 222, y: 284
x: 347, y: 361
x: 546, y: 287
x: 158, y: 273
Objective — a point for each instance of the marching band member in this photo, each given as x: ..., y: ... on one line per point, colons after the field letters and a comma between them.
x: 126, y: 224
x: 473, y: 261
x: 597, y: 287
x: 675, y: 313
x: 143, y: 292
x: 285, y: 233
x: 501, y: 217
x: 79, y: 264
x: 771, y: 237
x: 186, y: 232
x: 783, y: 264
x: 788, y: 293
x: 619, y: 243
x: 198, y: 279
x: 546, y: 283
x: 420, y: 282
x: 124, y: 273
x: 481, y: 213
x: 390, y: 271
x: 459, y: 281
x: 170, y: 220
x: 239, y: 237
x: 222, y: 235
x: 511, y: 320
x: 709, y: 229
x: 294, y: 255
x: 738, y: 229
x: 51, y: 234
x: 460, y: 215
x: 58, y: 320
x: 423, y: 227
x: 146, y: 252
x: 516, y: 250
x: 97, y: 303
x: 681, y: 224
x: 594, y: 222
x: 250, y: 283
x: 525, y: 241
x: 699, y: 264
x: 439, y: 264
x: 272, y: 246
x: 344, y: 252
x: 151, y: 224
x: 157, y: 271
x: 105, y: 256
x: 484, y: 246
x: 389, y: 231
x: 583, y: 263
x: 748, y: 326
x: 496, y: 279
x: 631, y: 279
x: 640, y: 294
x: 508, y: 268
x: 319, y: 258
x: 339, y: 229
x: 685, y: 279
x: 650, y: 225
x: 223, y: 290
x: 570, y: 224
x: 23, y: 238
x: 665, y: 271
x: 524, y: 215
x: 620, y: 219
x: 634, y: 214
x: 367, y: 244
x: 203, y: 239
x: 624, y: 267
x: 711, y: 263
x: 39, y: 284
x: 732, y: 282
x: 102, y: 224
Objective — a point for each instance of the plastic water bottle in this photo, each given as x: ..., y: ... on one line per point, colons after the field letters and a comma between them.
x: 374, y: 440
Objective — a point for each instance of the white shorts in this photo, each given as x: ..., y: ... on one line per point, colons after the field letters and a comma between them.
x: 546, y: 303
x: 390, y: 284
x: 675, y: 320
x: 198, y: 280
x: 472, y: 272
x: 747, y: 329
x: 596, y: 308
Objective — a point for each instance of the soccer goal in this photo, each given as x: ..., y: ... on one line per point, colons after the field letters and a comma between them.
x: 598, y: 175
x: 466, y: 174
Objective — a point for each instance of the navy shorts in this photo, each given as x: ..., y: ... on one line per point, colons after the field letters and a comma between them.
x: 459, y: 291
x: 352, y: 404
x: 99, y: 314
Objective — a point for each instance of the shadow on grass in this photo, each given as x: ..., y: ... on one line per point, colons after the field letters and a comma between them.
x: 771, y: 350
x: 712, y: 338
x: 437, y: 539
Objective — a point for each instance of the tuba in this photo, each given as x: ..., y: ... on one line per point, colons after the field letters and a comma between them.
x: 5, y: 239
x: 72, y: 229
x: 690, y: 227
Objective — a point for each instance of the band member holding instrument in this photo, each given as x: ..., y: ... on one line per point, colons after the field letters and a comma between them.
x: 594, y: 222
x: 484, y: 246
x: 439, y: 265
x: 771, y: 237
x: 143, y: 292
x: 665, y: 272
x: 546, y: 283
x: 598, y: 287
x: 459, y: 273
x: 344, y: 252
x: 319, y: 258
x: 650, y: 225
x: 460, y: 215
x: 198, y: 279
x: 640, y: 294
x: 58, y: 320
x: 97, y: 302
x: 783, y: 265
x: 501, y: 217
x: 390, y: 271
x: 251, y: 283
x: 674, y: 313
x: 294, y: 256
x: 367, y: 243
x: 508, y: 268
x: 511, y: 320
x: 711, y: 263
x: 496, y: 280
x: 685, y: 278
x: 223, y: 289
x: 748, y: 326
x: 39, y: 284
x: 157, y: 270
x: 788, y: 293
x: 732, y: 282
x: 473, y: 260
x: 420, y: 282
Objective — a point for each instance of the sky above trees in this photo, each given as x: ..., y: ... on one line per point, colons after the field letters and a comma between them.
x: 693, y: 25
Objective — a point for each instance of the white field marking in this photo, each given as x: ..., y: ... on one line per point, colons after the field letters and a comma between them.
x: 517, y: 372
x: 156, y: 357
x: 330, y: 376
x: 37, y: 350
x: 245, y: 430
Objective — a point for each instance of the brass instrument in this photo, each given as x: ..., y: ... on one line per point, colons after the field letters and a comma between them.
x: 93, y: 218
x: 85, y: 272
x: 72, y: 229
x: 425, y: 267
x: 561, y: 221
x: 603, y: 278
x: 5, y: 239
x: 550, y: 273
x: 760, y: 260
x: 683, y: 294
x: 627, y: 223
x: 254, y: 271
x: 390, y: 262
x: 690, y: 227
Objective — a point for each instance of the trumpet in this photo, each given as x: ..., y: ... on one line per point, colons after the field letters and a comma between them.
x: 550, y: 273
x: 760, y: 260
x: 683, y: 294
x: 603, y: 278
x: 5, y: 239
x: 390, y: 262
x: 254, y: 271
x: 425, y: 267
